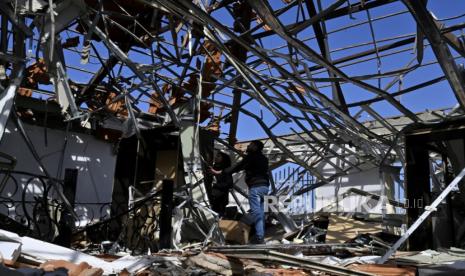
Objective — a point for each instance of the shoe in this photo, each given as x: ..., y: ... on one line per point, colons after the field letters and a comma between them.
x: 256, y: 240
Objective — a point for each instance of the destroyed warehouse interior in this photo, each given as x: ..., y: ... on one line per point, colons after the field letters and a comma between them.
x: 112, y: 113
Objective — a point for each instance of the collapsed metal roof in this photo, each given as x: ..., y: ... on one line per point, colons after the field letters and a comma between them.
x: 331, y: 86
x: 315, y: 70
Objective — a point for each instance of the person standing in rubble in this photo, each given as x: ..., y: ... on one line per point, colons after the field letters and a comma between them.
x: 255, y: 165
x: 224, y: 182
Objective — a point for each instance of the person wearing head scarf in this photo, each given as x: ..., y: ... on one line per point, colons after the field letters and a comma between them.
x: 224, y: 182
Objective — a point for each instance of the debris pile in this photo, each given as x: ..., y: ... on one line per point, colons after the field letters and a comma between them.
x: 351, y: 254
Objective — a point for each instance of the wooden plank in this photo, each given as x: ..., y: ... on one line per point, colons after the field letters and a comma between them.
x: 342, y: 229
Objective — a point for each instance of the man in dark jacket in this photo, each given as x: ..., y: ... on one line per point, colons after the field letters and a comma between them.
x: 255, y: 165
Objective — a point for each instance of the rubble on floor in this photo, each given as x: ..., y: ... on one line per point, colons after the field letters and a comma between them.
x: 356, y: 251
x: 31, y: 255
x: 453, y: 257
x: 47, y: 256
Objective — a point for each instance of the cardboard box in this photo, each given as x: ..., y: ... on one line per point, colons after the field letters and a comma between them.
x: 235, y: 231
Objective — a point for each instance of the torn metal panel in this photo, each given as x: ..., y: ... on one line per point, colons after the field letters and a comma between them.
x: 7, y: 99
x: 65, y: 94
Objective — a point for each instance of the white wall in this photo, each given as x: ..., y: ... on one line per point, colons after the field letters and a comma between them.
x: 92, y: 157
x: 368, y: 181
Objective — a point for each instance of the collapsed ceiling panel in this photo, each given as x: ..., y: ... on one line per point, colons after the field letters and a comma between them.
x: 292, y: 60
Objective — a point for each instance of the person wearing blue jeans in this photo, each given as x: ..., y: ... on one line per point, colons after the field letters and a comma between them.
x: 256, y: 195
x: 255, y: 165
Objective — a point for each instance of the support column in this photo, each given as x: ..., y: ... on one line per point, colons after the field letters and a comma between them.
x: 66, y: 224
x: 418, y: 192
x: 166, y: 213
x: 242, y: 24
